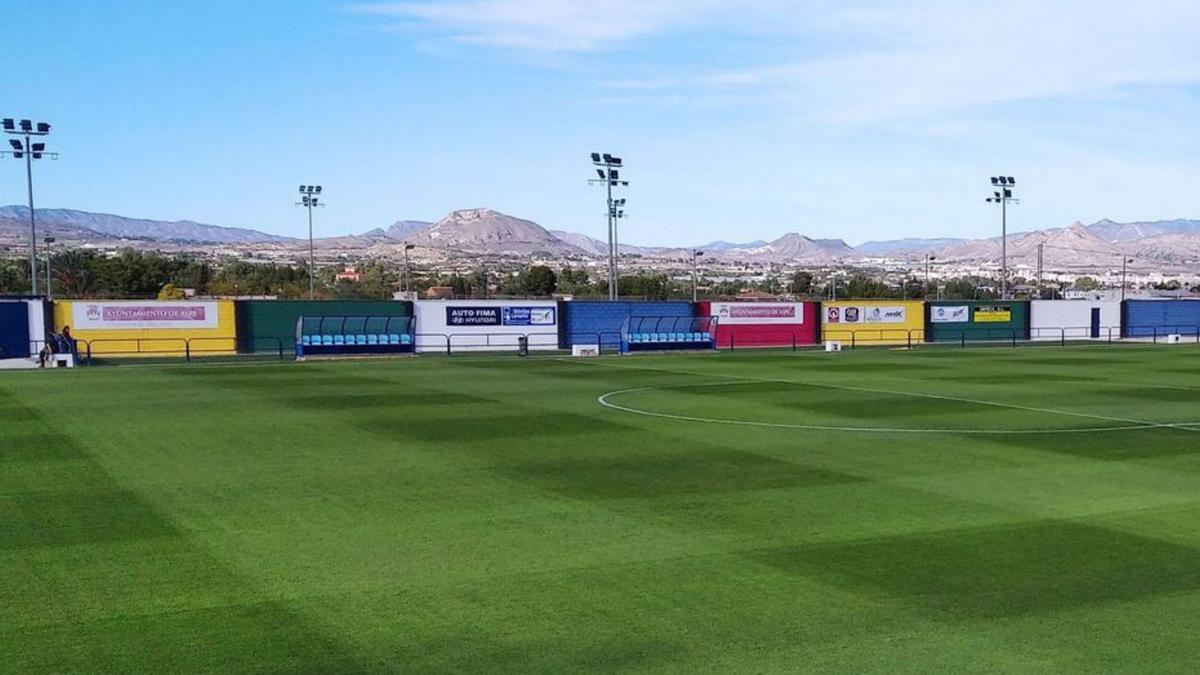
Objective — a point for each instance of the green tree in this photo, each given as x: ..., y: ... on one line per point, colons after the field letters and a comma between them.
x: 538, y: 280
x: 801, y: 283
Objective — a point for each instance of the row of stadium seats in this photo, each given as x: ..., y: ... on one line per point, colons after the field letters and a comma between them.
x: 669, y: 337
x: 343, y: 340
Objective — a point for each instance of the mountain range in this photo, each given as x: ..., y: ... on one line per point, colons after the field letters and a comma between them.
x: 487, y: 232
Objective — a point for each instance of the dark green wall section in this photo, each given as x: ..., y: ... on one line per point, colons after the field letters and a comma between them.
x: 259, y: 322
x: 974, y: 328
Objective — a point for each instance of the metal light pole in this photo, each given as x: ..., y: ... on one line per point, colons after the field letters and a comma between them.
x: 1003, y: 196
x: 1124, y: 268
x: 48, y: 241
x: 309, y: 200
x: 29, y: 151
x: 407, y: 248
x: 695, y: 254
x: 608, y: 170
x: 1041, y: 253
x: 928, y: 259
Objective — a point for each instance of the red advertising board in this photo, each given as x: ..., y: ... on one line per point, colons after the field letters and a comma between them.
x: 763, y: 324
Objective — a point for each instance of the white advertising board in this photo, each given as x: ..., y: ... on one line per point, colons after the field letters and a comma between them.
x: 950, y: 314
x: 485, y: 325
x: 757, y: 313
x: 856, y: 314
x: 87, y: 315
x: 1073, y: 319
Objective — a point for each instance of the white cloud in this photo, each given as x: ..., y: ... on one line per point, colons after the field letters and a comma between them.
x: 864, y: 60
x: 545, y: 25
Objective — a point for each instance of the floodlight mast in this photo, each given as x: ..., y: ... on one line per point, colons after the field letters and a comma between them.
x: 29, y: 151
x: 608, y: 169
x: 309, y: 200
x: 1002, y: 196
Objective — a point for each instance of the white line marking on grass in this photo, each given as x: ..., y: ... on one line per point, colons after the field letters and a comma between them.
x: 1128, y: 422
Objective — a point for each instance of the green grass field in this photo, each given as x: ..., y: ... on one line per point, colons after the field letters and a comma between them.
x: 1022, y: 510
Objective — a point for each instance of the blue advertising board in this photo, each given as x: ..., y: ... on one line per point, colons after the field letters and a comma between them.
x: 529, y: 316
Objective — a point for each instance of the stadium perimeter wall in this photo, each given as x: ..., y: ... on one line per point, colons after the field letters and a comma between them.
x: 585, y: 321
x: 1147, y: 318
x: 261, y: 322
x: 150, y: 327
x: 1074, y: 320
x: 22, y: 327
x: 975, y: 320
x: 763, y: 324
x: 486, y: 325
x: 873, y: 322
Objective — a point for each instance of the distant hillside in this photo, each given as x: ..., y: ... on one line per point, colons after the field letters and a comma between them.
x: 88, y: 225
x: 905, y: 245
x: 485, y: 230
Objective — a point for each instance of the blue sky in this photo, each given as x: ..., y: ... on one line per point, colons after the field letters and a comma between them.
x: 738, y: 120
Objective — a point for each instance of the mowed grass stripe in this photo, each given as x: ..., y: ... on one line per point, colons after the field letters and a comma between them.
x: 434, y: 515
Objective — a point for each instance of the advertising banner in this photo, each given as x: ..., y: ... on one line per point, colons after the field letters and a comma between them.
x: 955, y: 314
x: 529, y: 316
x: 757, y: 313
x: 141, y: 315
x: 993, y: 314
x: 472, y: 316
x: 858, y: 315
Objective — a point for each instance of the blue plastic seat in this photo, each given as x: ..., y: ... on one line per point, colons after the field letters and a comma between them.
x: 323, y: 339
x: 339, y: 340
x: 306, y: 340
x: 393, y: 339
x: 360, y: 339
x: 372, y: 339
x: 406, y: 339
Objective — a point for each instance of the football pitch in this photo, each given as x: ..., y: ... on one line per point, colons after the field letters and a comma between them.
x: 1022, y: 510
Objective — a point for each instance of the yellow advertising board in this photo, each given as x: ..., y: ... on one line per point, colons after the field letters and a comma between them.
x: 149, y: 327
x: 873, y: 322
x: 993, y: 314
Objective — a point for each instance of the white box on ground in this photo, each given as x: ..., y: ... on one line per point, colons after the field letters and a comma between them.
x: 1174, y: 339
x: 833, y: 345
x: 63, y: 360
x: 585, y: 350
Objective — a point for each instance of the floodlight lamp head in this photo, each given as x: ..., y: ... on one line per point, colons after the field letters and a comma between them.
x: 26, y: 125
x: 409, y: 247
x: 616, y: 161
x: 318, y: 189
x: 9, y: 124
x: 43, y: 127
x: 16, y: 145
x: 600, y: 172
x: 614, y: 174
x: 301, y: 189
x: 1012, y: 181
x: 995, y: 181
x: 607, y: 157
x: 596, y: 157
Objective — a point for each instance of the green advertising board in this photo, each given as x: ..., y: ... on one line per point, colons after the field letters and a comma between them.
x: 977, y: 320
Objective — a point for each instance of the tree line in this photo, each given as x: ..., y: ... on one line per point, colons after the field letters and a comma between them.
x: 82, y: 273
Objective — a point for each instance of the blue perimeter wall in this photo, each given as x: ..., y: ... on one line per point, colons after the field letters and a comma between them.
x: 14, y: 330
x: 1143, y: 318
x: 581, y: 320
